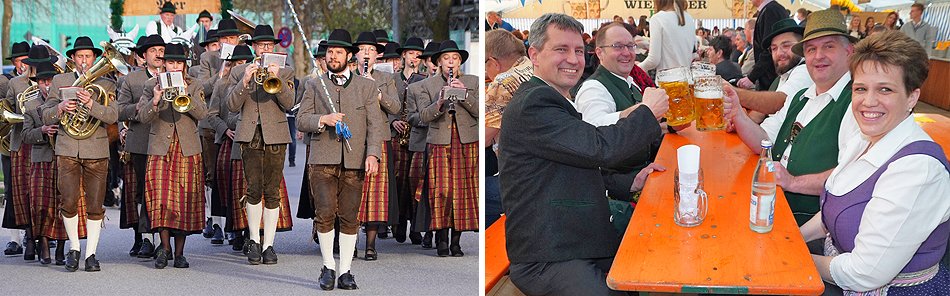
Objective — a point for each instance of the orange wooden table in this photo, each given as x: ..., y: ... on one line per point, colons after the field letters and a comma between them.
x: 721, y: 255
x: 938, y: 127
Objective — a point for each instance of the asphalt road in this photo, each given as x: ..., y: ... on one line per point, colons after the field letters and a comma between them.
x: 402, y: 269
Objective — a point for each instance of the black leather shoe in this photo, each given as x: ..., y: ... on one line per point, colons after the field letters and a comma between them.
x: 427, y: 243
x: 254, y: 253
x: 134, y: 252
x: 327, y: 277
x: 346, y: 282
x: 72, y: 260
x: 92, y: 264
x: 443, y: 249
x: 383, y: 233
x: 46, y: 261
x: 456, y: 251
x: 269, y: 256
x: 370, y: 255
x: 415, y: 238
x: 208, y: 231
x: 180, y: 262
x: 162, y: 258
x: 13, y: 248
x: 147, y: 249
x: 245, y: 246
x: 60, y: 262
x: 218, y: 237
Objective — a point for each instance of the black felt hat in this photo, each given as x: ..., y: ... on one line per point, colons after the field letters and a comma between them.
x: 449, y: 46
x: 83, y: 42
x: 39, y: 54
x: 431, y: 49
x: 783, y: 26
x: 262, y: 33
x: 168, y: 7
x: 392, y: 51
x: 321, y: 49
x: 227, y: 28
x: 341, y: 38
x: 413, y: 43
x: 368, y: 38
x: 174, y: 52
x: 381, y: 36
x: 44, y: 70
x: 204, y: 13
x: 19, y: 49
x: 209, y: 38
x: 241, y: 52
x: 150, y: 41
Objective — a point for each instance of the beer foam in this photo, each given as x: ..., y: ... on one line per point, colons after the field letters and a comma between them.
x: 707, y: 94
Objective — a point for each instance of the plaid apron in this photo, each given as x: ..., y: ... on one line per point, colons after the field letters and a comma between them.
x: 174, y: 190
x: 128, y: 213
x: 374, y: 206
x: 453, y: 181
x: 45, y: 203
x: 20, y: 169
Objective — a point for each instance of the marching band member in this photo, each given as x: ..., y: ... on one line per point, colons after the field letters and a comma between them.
x: 136, y: 138
x: 81, y: 162
x: 173, y: 190
x: 338, y: 166
x: 418, y: 166
x: 453, y: 158
x: 403, y: 154
x: 263, y: 136
x: 19, y: 53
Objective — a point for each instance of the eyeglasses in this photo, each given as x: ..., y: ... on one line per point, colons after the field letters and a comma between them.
x: 265, y: 45
x: 616, y: 46
x: 368, y: 49
x: 783, y: 47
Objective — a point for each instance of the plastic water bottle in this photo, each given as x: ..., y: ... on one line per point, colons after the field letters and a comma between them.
x: 763, y: 192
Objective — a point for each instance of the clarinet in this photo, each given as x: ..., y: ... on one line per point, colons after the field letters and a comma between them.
x: 451, y: 102
x: 365, y: 67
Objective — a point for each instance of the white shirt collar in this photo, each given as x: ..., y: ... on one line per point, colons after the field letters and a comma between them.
x: 888, y: 145
x: 346, y: 73
x: 628, y: 79
x: 832, y: 93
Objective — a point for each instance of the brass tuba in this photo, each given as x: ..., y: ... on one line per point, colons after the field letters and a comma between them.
x: 265, y: 79
x: 179, y: 99
x: 80, y: 124
x: 61, y: 62
x: 27, y: 95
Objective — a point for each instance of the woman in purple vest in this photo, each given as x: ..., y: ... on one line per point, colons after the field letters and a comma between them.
x: 885, y: 207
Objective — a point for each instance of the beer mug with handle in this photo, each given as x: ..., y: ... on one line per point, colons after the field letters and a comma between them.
x: 675, y: 81
x: 707, y: 91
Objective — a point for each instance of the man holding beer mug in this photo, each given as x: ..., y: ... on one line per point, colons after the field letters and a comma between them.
x: 608, y: 93
x: 806, y: 130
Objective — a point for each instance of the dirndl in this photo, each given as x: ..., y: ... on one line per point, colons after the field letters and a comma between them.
x: 453, y: 184
x: 20, y: 169
x: 45, y: 200
x: 378, y: 190
x: 174, y: 191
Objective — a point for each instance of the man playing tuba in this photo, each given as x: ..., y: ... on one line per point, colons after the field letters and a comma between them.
x: 84, y: 162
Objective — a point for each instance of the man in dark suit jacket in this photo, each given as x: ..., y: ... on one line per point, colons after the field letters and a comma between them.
x: 763, y: 73
x: 549, y: 173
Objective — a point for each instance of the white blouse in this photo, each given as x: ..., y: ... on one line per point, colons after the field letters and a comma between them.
x: 671, y: 45
x: 909, y: 200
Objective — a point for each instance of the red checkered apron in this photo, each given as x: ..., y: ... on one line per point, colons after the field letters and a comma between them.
x: 239, y: 188
x: 130, y: 213
x: 417, y: 173
x: 374, y: 206
x: 20, y: 169
x: 45, y: 200
x: 453, y: 182
x: 174, y: 190
x: 401, y: 158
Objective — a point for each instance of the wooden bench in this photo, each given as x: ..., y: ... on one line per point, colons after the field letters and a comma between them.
x: 496, y: 256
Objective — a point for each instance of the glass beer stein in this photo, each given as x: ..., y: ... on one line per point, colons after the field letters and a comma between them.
x: 707, y: 92
x: 675, y: 81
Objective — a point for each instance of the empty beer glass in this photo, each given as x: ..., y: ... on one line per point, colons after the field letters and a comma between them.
x: 676, y: 83
x: 707, y: 91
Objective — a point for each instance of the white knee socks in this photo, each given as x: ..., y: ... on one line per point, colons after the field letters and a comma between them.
x: 216, y: 220
x: 72, y: 231
x: 270, y: 226
x: 93, y: 227
x: 326, y: 249
x: 15, y: 236
x: 254, y: 215
x: 347, y: 243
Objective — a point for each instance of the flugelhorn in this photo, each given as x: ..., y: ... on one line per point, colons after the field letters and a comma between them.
x: 265, y: 79
x: 7, y: 117
x: 80, y: 124
x: 179, y: 99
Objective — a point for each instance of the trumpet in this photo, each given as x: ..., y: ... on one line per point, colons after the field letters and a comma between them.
x: 265, y: 79
x: 179, y: 99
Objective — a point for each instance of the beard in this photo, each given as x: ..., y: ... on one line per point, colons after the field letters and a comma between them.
x: 792, y: 62
x: 337, y: 69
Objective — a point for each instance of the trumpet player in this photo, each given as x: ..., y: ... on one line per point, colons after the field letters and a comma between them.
x: 410, y: 56
x: 453, y: 149
x: 263, y: 136
x: 81, y: 162
x: 136, y: 141
x: 44, y: 197
x: 17, y: 89
x: 379, y: 206
x: 19, y: 52
x: 337, y: 166
x: 174, y: 190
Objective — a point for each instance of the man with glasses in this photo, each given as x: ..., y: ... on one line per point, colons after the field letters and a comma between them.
x: 262, y: 134
x: 610, y: 94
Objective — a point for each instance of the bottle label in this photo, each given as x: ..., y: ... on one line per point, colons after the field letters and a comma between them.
x: 753, y: 209
x: 770, y: 166
x: 765, y: 207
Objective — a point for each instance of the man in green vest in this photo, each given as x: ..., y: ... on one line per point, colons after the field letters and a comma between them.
x: 610, y: 94
x: 806, y: 130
